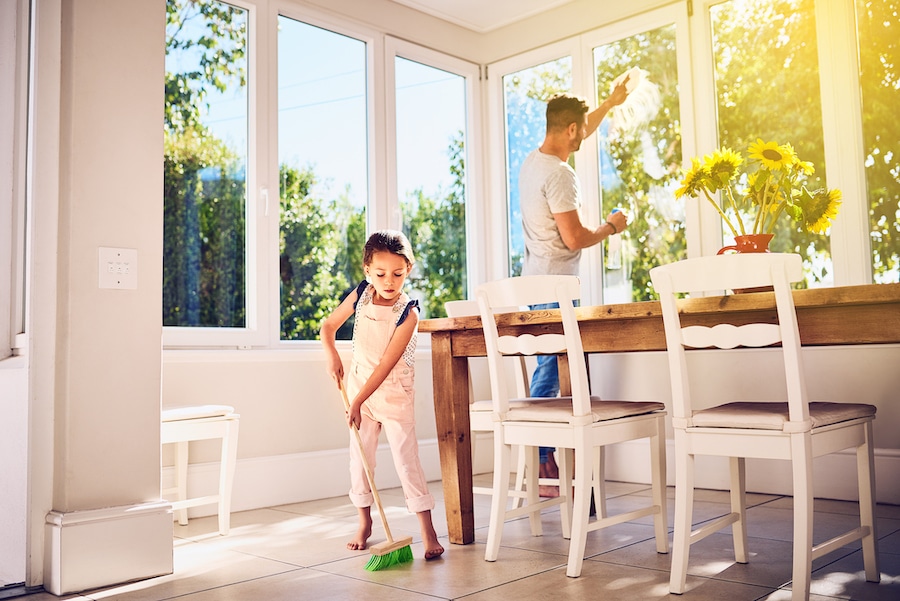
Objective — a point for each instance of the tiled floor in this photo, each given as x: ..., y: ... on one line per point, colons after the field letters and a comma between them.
x: 297, y: 552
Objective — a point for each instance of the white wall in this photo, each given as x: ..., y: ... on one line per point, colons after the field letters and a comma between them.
x: 13, y: 474
x: 293, y: 439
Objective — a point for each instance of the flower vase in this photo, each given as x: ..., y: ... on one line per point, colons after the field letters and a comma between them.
x: 750, y: 243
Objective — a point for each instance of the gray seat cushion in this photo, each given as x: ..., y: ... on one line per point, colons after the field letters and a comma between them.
x: 774, y: 416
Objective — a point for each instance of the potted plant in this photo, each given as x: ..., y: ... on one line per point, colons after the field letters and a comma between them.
x: 752, y: 200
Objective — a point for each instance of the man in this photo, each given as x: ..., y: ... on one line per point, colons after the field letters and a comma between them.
x: 550, y: 200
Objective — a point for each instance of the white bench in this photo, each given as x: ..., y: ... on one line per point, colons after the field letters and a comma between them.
x: 181, y: 425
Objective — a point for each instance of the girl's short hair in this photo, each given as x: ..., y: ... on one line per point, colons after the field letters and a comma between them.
x: 391, y: 241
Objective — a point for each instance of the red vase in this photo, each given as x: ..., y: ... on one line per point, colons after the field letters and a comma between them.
x: 749, y: 243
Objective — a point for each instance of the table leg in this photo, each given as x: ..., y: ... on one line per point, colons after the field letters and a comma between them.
x: 451, y: 412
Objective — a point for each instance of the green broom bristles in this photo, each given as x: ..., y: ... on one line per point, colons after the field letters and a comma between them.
x: 398, y: 556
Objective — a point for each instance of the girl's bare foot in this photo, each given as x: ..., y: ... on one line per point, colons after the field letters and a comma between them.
x: 433, y: 548
x: 365, y: 530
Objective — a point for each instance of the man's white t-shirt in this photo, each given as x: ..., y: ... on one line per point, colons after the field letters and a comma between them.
x: 546, y: 186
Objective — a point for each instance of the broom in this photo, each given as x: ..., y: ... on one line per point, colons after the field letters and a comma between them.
x: 390, y: 552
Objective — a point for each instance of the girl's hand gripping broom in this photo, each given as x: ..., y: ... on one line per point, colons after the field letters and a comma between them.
x: 391, y: 551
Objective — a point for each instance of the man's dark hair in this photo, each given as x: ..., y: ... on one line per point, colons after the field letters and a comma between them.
x: 563, y: 110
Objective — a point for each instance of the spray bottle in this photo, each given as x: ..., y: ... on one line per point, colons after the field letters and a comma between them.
x: 614, y: 250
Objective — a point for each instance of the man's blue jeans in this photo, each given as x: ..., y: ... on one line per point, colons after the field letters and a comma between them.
x: 545, y: 379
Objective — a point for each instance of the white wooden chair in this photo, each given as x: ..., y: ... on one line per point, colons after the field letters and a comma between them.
x: 576, y: 425
x: 796, y: 430
x: 180, y: 426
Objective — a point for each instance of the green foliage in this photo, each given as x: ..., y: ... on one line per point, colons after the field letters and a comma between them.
x: 217, y: 43
x: 321, y: 250
x: 437, y: 230
x: 203, y: 243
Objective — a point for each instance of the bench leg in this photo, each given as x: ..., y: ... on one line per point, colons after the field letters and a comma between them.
x: 226, y: 475
x: 181, y: 468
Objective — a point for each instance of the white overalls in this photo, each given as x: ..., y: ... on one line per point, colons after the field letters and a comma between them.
x: 391, y: 406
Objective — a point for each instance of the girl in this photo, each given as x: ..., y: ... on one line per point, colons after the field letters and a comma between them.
x: 380, y: 381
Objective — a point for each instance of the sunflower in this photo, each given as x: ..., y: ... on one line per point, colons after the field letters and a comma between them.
x: 771, y: 155
x: 694, y: 179
x: 820, y: 209
x: 805, y: 167
x: 722, y: 166
x: 751, y: 195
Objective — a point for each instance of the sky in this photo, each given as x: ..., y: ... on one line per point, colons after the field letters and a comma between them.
x: 322, y: 113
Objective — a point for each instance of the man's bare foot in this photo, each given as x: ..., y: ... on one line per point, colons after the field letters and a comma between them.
x: 365, y: 530
x: 433, y: 548
x: 550, y: 492
x: 548, y: 470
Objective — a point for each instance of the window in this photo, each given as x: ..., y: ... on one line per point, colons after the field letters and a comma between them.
x: 525, y: 96
x: 259, y: 101
x: 431, y: 178
x: 323, y: 171
x: 639, y: 151
x: 633, y: 164
x: 206, y: 166
x: 767, y: 86
x: 14, y: 70
x: 877, y: 24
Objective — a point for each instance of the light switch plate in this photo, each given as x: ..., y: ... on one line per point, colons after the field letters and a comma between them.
x: 118, y: 268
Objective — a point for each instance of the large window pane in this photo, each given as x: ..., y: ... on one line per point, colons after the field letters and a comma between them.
x: 525, y: 96
x: 640, y: 159
x: 767, y: 86
x: 879, y: 60
x: 322, y: 157
x: 431, y: 179
x: 204, y: 264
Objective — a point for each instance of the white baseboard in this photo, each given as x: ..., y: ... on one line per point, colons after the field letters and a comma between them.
x: 283, y: 479
x: 103, y: 547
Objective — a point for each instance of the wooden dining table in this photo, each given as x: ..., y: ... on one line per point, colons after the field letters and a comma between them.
x: 845, y: 315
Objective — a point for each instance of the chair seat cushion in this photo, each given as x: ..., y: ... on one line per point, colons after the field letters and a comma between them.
x: 774, y: 416
x: 172, y: 414
x: 559, y: 409
x: 488, y: 406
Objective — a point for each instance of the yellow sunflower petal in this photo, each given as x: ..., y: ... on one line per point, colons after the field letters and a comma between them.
x: 770, y: 155
x: 821, y: 210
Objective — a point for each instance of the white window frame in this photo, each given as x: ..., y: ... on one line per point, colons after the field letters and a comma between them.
x: 580, y: 48
x: 257, y: 303
x: 498, y: 268
x: 376, y: 212
x: 263, y: 229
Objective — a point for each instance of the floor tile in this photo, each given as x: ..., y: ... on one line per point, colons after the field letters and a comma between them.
x: 298, y: 551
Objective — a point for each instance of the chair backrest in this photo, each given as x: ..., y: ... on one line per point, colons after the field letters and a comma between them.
x: 497, y: 297
x: 467, y: 308
x: 730, y: 272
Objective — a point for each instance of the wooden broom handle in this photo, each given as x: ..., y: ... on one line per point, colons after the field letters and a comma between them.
x: 369, y: 475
